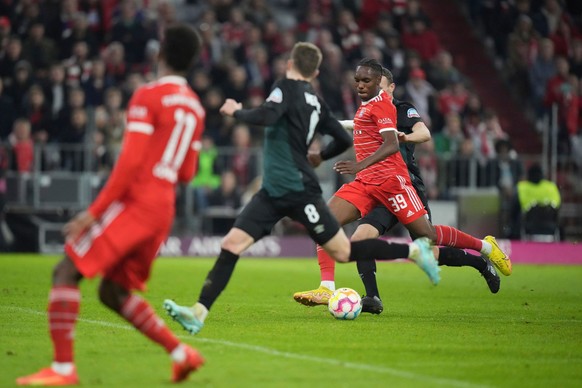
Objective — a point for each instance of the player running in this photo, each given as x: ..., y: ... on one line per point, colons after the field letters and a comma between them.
x: 292, y: 114
x: 119, y: 235
x: 412, y: 130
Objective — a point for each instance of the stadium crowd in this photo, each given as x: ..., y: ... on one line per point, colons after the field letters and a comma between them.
x: 68, y: 68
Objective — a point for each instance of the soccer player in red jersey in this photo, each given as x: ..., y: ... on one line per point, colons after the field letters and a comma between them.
x: 119, y: 235
x: 382, y: 178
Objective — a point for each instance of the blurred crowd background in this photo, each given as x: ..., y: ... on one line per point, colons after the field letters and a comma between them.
x: 68, y: 69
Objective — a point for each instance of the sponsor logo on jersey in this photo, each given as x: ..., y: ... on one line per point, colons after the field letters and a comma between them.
x: 276, y: 96
x: 412, y: 113
x: 138, y: 112
x: 384, y: 120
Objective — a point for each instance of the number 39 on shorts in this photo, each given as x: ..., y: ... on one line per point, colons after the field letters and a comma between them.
x: 398, y: 202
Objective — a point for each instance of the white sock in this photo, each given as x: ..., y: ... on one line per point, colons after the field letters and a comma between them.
x: 486, y: 247
x: 179, y: 353
x: 63, y: 368
x: 328, y: 284
x: 200, y: 311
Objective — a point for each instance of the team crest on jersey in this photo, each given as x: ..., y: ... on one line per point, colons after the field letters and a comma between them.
x: 362, y: 113
x: 412, y: 113
x: 276, y: 96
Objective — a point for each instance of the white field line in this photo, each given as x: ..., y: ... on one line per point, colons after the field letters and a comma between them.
x: 273, y: 352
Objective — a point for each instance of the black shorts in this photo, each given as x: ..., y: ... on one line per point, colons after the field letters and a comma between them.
x: 383, y: 220
x: 263, y: 212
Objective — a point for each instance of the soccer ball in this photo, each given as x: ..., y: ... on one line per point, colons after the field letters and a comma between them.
x: 345, y: 303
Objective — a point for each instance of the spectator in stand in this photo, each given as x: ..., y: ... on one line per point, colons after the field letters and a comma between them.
x: 522, y: 46
x: 5, y: 28
x: 75, y: 100
x: 504, y: 172
x: 474, y: 107
x: 453, y: 98
x: 207, y: 178
x: 442, y: 73
x: 72, y: 138
x: 214, y: 120
x: 22, y: 147
x: 61, y: 24
x: 448, y: 142
x: 56, y: 91
x: 258, y: 12
x: 241, y: 160
x: 25, y: 15
x: 258, y: 69
x: 96, y: 84
x: 548, y: 18
x: 130, y: 31
x: 347, y: 32
x: 227, y: 194
x: 236, y: 84
x: 234, y: 30
x: 413, y: 11
x: 78, y: 66
x: 422, y: 39
x: 562, y: 90
x: 37, y: 110
x: 428, y: 164
x: 37, y: 49
x: 459, y: 168
x: 101, y: 161
x: 80, y: 32
x: 540, y: 72
x: 10, y: 56
x: 331, y: 68
x: 20, y: 84
x: 371, y: 10
x: 132, y: 82
x: 576, y: 58
x: 395, y: 57
x: 7, y: 113
x: 421, y: 93
x: 563, y: 38
x: 115, y: 66
x: 93, y: 10
x: 115, y: 127
x: 485, y: 135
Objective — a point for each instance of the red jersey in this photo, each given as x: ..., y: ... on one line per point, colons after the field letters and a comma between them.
x: 165, y: 121
x: 373, y: 117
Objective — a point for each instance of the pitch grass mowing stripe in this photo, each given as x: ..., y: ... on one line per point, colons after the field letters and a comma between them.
x: 277, y: 353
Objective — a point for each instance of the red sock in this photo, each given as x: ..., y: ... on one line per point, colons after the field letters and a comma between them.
x: 451, y: 237
x: 326, y: 264
x: 141, y: 315
x: 63, y: 309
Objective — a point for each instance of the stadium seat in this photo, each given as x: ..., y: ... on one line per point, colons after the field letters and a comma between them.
x: 540, y: 223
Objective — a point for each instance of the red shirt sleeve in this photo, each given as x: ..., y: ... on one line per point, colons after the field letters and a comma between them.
x: 384, y: 115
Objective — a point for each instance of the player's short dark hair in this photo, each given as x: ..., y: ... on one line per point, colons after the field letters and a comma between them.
x: 388, y: 74
x: 180, y: 47
x: 372, y: 64
x: 306, y: 58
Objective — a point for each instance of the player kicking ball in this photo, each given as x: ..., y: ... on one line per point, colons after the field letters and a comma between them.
x: 353, y: 199
x: 292, y: 115
x: 119, y: 235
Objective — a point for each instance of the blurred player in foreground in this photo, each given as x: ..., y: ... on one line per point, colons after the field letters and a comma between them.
x: 292, y: 114
x: 119, y: 235
x: 411, y: 131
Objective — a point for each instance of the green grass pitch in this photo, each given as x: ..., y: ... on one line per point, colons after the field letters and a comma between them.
x: 454, y: 335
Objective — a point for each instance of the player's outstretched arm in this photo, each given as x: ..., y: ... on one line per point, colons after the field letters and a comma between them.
x: 420, y: 134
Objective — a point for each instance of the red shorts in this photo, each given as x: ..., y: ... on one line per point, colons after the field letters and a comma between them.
x: 120, y: 246
x: 396, y: 193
